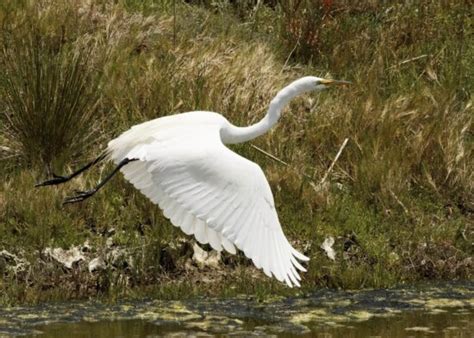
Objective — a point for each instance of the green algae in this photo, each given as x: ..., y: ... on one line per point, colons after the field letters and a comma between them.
x: 321, y: 310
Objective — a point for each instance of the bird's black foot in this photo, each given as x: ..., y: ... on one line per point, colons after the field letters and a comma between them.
x: 54, y: 181
x: 79, y: 197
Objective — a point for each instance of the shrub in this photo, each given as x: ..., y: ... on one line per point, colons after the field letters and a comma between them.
x: 48, y: 90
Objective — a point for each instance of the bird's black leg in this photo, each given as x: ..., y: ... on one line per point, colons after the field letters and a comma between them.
x: 82, y: 195
x: 62, y: 179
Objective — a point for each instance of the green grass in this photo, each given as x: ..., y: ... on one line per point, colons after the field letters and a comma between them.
x: 398, y: 201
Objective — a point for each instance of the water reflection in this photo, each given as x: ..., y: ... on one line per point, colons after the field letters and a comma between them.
x: 437, y: 310
x: 456, y: 323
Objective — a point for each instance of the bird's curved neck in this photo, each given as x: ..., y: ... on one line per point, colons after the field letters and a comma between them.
x: 234, y: 134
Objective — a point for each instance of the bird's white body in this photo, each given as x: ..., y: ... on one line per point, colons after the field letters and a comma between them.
x: 208, y: 190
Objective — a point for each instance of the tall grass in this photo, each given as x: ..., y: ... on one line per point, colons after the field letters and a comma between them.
x: 49, y: 90
x: 409, y: 116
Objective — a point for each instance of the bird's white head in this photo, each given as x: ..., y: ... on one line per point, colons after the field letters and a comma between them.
x: 310, y: 83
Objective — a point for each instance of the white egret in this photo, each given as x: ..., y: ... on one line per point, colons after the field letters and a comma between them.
x: 181, y: 163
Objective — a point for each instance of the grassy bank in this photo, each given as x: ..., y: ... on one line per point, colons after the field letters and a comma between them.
x: 399, y: 200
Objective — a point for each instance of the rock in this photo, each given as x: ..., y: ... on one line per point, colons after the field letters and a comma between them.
x: 120, y: 258
x: 9, y: 261
x: 327, y: 247
x: 204, y: 258
x: 86, y: 247
x: 97, y: 264
x: 214, y: 258
x: 109, y: 242
x: 65, y: 257
x: 199, y: 255
x: 8, y: 257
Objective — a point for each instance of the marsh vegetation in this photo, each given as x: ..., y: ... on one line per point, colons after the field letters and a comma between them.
x: 399, y: 201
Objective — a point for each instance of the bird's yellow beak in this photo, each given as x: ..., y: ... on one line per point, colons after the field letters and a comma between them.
x: 329, y: 82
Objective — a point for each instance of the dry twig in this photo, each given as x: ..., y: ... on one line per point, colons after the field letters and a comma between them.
x: 326, y: 175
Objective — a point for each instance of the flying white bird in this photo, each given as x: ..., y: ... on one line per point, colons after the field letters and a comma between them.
x: 181, y: 163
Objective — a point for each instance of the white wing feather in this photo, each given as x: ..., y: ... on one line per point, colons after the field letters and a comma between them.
x: 209, y: 191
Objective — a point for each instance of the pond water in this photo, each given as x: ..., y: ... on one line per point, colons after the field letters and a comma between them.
x: 436, y: 310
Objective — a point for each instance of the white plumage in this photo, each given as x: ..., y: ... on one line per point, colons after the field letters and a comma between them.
x: 208, y: 190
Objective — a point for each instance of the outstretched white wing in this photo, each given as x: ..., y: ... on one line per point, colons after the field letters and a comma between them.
x: 215, y: 194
